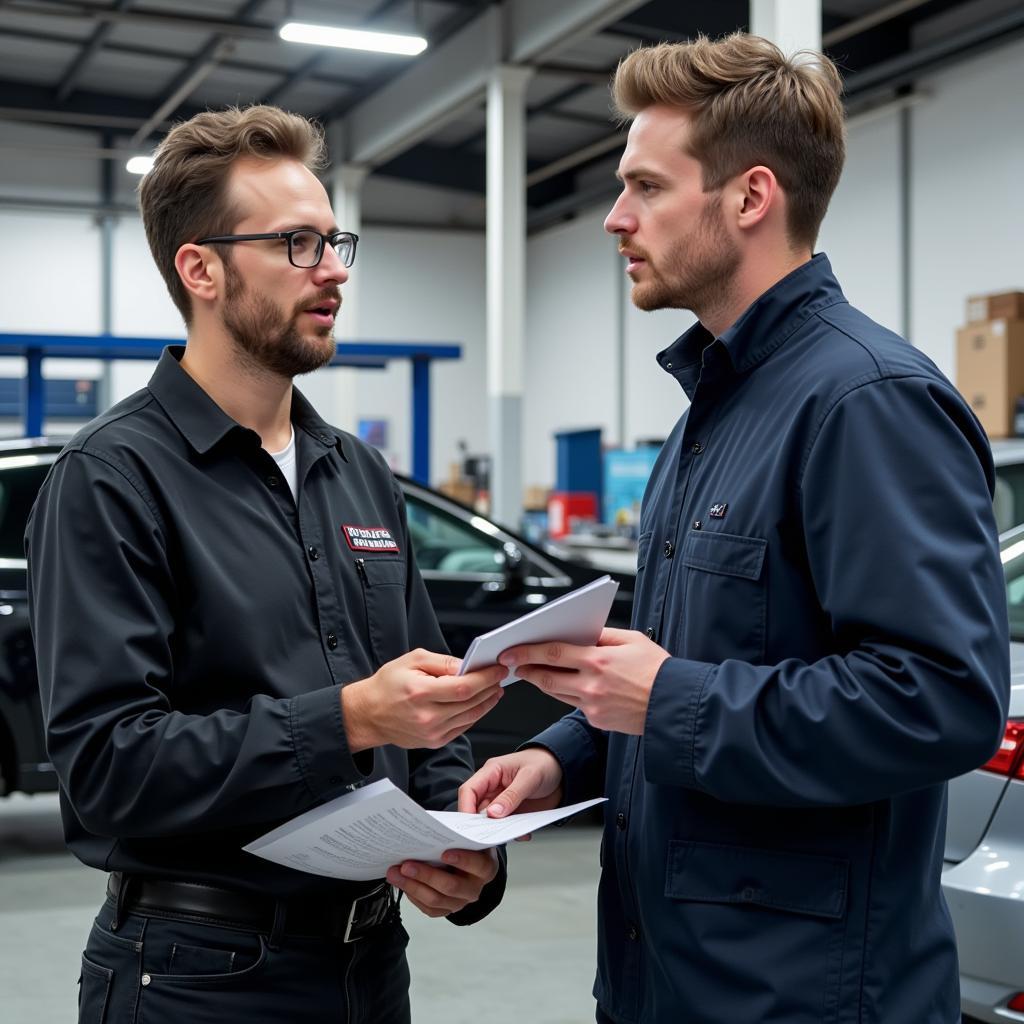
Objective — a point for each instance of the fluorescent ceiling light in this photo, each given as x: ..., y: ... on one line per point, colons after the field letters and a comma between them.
x: 352, y: 39
x: 139, y: 165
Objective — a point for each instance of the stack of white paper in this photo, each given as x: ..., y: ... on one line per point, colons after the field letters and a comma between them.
x: 361, y: 834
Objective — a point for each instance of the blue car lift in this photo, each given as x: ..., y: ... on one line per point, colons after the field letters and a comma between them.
x: 36, y: 347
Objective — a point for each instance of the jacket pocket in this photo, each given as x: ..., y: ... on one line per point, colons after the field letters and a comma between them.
x: 725, y: 605
x: 765, y: 929
x: 383, y: 581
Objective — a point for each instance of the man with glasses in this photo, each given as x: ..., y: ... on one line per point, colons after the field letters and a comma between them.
x: 230, y: 627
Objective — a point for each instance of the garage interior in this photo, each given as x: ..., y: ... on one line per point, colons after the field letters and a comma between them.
x: 477, y: 174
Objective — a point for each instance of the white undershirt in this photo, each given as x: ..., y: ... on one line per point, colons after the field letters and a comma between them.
x: 285, y: 460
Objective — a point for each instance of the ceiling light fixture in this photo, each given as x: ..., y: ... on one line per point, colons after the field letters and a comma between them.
x: 139, y: 165
x: 352, y: 39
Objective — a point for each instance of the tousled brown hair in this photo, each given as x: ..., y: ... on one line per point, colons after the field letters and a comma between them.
x: 184, y: 197
x: 749, y: 105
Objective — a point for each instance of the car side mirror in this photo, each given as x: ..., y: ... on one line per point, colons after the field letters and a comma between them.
x: 514, y: 567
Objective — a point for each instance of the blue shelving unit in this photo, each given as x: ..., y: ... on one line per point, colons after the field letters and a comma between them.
x: 366, y: 354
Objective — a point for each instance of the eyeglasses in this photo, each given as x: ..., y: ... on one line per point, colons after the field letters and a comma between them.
x: 305, y: 246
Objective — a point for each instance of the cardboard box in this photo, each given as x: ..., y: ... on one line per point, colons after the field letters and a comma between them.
x: 461, y: 490
x: 1002, y: 306
x: 990, y: 371
x: 535, y: 499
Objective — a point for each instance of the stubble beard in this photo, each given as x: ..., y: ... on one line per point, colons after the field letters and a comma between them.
x: 699, y: 269
x: 267, y: 338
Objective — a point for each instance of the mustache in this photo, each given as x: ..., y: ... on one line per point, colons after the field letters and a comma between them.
x: 636, y: 252
x: 324, y: 295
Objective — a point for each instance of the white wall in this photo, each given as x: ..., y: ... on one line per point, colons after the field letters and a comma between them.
x: 967, y: 208
x: 572, y: 324
x: 861, y: 233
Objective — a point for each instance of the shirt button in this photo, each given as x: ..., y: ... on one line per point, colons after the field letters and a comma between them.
x: 697, y: 448
x: 697, y: 524
x: 273, y: 481
x: 145, y: 979
x: 620, y: 822
x: 650, y: 632
x: 669, y: 549
x: 332, y: 641
x: 632, y: 934
x: 313, y: 553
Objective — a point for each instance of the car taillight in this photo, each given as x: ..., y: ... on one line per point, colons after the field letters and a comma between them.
x: 1016, y: 1003
x: 1009, y: 758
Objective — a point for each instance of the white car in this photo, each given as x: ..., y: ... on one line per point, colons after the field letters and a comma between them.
x: 983, y: 875
x: 1008, y: 456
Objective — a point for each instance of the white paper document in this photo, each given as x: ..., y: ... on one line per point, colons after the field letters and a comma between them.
x: 575, y: 618
x: 361, y: 834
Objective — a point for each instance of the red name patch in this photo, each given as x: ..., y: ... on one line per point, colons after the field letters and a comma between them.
x: 369, y: 538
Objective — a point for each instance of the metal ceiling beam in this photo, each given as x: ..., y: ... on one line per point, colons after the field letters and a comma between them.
x: 99, y: 35
x: 192, y: 74
x: 162, y: 53
x: 453, y: 79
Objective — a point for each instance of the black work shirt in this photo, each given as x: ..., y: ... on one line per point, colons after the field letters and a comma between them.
x: 194, y: 624
x: 818, y: 555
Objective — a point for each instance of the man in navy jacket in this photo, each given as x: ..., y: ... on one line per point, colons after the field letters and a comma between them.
x: 820, y: 634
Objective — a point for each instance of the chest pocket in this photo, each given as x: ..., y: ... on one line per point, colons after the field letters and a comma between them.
x: 387, y: 626
x: 725, y: 603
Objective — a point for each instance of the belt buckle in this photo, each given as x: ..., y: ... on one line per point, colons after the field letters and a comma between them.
x: 382, y: 892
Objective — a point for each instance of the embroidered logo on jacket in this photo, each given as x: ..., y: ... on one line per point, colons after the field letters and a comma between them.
x: 718, y: 511
x: 369, y: 538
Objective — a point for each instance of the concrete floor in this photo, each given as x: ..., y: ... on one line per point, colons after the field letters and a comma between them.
x: 532, y: 959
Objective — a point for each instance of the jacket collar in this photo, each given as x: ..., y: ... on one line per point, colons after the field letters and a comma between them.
x: 204, y: 424
x: 764, y: 326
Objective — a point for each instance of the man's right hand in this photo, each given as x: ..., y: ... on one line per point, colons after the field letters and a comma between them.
x: 528, y: 780
x: 418, y: 701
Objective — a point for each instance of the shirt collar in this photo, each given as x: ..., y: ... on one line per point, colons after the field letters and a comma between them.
x: 205, y: 424
x: 764, y: 326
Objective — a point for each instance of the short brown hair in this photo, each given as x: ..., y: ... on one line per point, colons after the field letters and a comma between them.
x: 749, y: 105
x: 184, y: 197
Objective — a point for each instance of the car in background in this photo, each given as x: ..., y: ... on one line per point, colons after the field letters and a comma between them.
x: 478, y: 575
x: 983, y: 873
x: 1008, y: 456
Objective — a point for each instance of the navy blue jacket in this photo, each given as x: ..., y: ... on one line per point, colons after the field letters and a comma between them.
x: 818, y: 555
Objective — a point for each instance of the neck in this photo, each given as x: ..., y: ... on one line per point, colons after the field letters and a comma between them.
x: 754, y: 276
x: 249, y: 394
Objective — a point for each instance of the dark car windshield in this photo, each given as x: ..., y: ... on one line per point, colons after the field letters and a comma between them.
x: 19, y: 484
x: 1013, y: 572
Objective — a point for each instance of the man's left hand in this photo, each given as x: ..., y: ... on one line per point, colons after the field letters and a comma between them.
x: 610, y: 683
x: 442, y: 891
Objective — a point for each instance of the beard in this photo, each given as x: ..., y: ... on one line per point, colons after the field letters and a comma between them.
x: 698, y: 268
x: 270, y: 338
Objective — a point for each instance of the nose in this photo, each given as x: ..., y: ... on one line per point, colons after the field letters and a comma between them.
x: 620, y: 221
x: 330, y: 269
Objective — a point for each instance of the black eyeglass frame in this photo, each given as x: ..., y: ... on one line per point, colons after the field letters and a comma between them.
x: 333, y: 239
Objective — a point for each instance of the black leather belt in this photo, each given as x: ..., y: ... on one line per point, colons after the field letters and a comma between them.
x: 233, y: 908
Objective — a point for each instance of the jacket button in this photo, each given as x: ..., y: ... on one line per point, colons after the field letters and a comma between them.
x: 332, y: 641
x: 669, y: 548
x: 697, y: 524
x: 273, y: 481
x: 620, y: 822
x: 313, y: 553
x: 632, y: 934
x: 697, y: 448
x: 650, y: 632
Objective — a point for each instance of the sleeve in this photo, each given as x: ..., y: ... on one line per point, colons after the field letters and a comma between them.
x: 896, y: 505
x: 436, y: 775
x: 102, y: 607
x: 582, y: 752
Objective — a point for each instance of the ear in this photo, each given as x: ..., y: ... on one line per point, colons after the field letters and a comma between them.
x: 759, y: 195
x: 200, y: 270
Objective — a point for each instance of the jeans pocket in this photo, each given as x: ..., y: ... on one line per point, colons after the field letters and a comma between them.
x: 93, y: 992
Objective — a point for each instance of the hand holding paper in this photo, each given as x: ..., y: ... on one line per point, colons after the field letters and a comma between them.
x: 574, y: 618
x: 361, y: 834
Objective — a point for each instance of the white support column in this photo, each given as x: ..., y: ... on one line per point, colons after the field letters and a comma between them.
x: 506, y: 283
x: 791, y: 24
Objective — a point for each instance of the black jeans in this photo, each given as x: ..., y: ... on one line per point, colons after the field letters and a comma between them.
x: 171, y: 972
